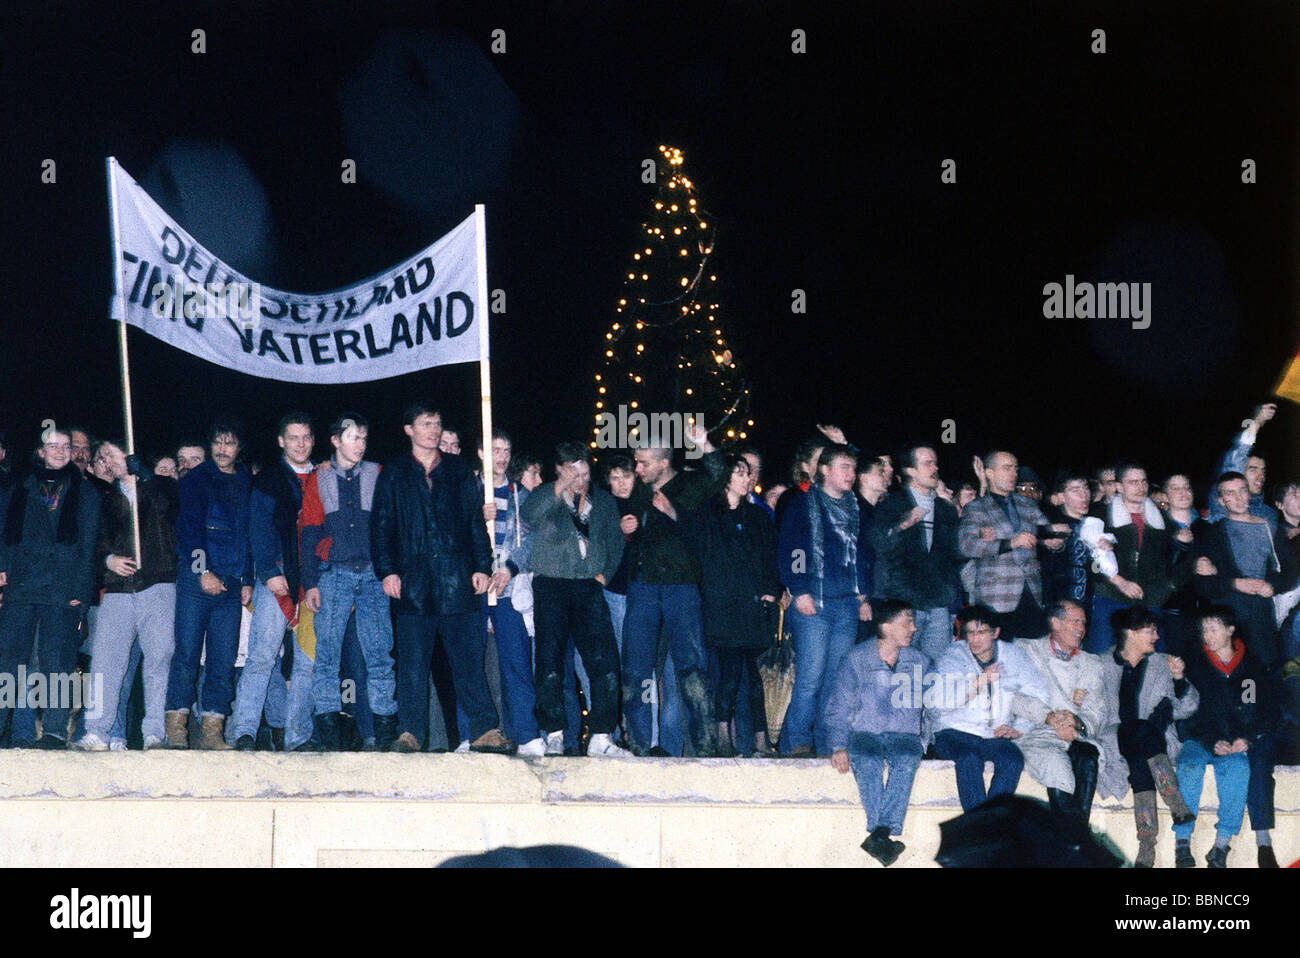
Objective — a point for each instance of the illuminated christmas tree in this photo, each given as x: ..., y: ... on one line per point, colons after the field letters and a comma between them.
x: 665, y: 350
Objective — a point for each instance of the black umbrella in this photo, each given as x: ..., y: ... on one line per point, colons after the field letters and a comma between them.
x: 1012, y: 831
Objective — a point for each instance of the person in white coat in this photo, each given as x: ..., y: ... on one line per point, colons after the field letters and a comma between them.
x: 1062, y: 750
x: 988, y: 693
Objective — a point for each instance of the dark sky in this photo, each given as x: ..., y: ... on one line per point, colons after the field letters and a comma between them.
x: 822, y: 171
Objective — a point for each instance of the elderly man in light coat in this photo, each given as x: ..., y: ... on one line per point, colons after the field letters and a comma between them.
x: 1063, y: 749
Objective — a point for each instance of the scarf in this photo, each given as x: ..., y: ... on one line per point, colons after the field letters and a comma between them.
x: 1227, y: 668
x: 60, y: 490
x: 580, y: 513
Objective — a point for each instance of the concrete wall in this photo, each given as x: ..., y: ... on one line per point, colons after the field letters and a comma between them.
x: 263, y: 809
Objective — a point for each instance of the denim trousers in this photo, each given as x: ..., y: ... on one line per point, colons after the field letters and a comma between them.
x: 885, y: 799
x: 265, y: 640
x: 464, y: 642
x: 1231, y: 779
x: 969, y: 753
x: 574, y: 608
x: 124, y: 617
x: 675, y: 608
x: 24, y: 626
x: 515, y: 655
x: 341, y: 592
x: 820, y: 644
x: 216, y: 617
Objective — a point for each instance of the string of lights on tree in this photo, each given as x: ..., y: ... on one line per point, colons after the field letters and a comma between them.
x: 665, y: 350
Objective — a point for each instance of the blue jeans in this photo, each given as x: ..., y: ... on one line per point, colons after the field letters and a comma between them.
x: 1231, y: 778
x: 1290, y: 637
x: 340, y: 592
x: 820, y: 644
x: 666, y: 711
x: 969, y: 753
x: 1101, y: 637
x: 217, y: 616
x: 885, y: 804
x: 515, y: 654
x: 933, y: 633
x: 353, y: 667
x: 677, y: 609
x: 298, y: 724
x: 265, y: 639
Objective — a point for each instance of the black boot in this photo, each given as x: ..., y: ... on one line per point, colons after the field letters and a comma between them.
x: 1084, y: 758
x: 385, y: 731
x: 1061, y: 802
x: 349, y: 737
x: 277, y: 739
x: 327, y: 731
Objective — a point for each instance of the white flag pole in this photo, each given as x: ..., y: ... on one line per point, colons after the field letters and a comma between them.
x: 119, y: 301
x: 485, y: 377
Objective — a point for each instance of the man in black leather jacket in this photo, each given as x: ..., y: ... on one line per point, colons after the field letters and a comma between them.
x: 430, y: 548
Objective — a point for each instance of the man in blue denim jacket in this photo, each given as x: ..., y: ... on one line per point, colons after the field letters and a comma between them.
x: 214, y: 577
x: 873, y: 718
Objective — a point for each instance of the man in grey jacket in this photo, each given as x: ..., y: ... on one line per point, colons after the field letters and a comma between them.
x: 873, y: 717
x: 577, y: 545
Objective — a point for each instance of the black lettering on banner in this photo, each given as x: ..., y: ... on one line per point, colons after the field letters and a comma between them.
x: 352, y: 309
x: 422, y: 319
x: 401, y: 331
x: 155, y: 280
x: 399, y: 288
x: 293, y: 314
x: 269, y: 345
x: 293, y: 343
x: 176, y: 257
x: 377, y: 298
x: 373, y: 349
x: 410, y: 275
x: 318, y: 343
x: 267, y: 300
x: 140, y: 273
x: 345, y: 339
x: 191, y: 260
x: 452, y: 328
x: 245, y: 334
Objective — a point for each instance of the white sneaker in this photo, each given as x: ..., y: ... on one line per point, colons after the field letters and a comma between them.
x: 535, y: 748
x: 554, y: 743
x: 117, y: 745
x: 153, y: 741
x: 463, y: 746
x: 90, y: 742
x: 602, y: 746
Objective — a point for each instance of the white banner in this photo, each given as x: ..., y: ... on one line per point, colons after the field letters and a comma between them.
x: 421, y: 313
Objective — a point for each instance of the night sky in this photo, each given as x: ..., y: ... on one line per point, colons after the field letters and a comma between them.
x: 822, y: 172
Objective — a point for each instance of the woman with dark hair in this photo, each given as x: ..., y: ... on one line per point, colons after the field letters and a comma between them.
x: 1232, y: 731
x: 736, y: 542
x: 1145, y: 693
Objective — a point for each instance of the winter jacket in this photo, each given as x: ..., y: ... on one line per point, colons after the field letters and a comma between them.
x: 211, y: 526
x: 996, y: 575
x: 905, y: 568
x: 1016, y: 697
x: 1242, y: 704
x: 801, y: 548
x: 556, y: 551
x: 317, y: 538
x: 869, y: 696
x: 1044, y: 750
x: 158, y: 503
x: 661, y: 555
x: 737, y: 551
x: 1161, y: 566
x: 1158, y: 685
x: 434, y: 538
x: 49, y: 555
x: 1257, y: 625
x: 273, y: 507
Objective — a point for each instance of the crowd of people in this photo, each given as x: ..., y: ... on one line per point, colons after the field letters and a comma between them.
x: 1097, y: 632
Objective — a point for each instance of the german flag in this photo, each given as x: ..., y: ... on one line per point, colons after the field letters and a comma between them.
x: 1288, y: 387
